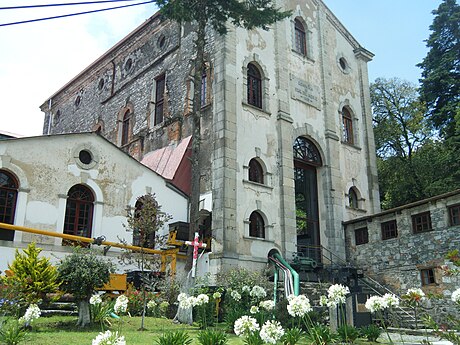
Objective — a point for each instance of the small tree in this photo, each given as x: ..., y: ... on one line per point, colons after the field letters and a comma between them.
x: 145, y: 221
x: 33, y: 276
x: 80, y: 274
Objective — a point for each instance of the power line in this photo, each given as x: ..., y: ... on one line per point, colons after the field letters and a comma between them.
x: 61, y: 4
x: 74, y: 14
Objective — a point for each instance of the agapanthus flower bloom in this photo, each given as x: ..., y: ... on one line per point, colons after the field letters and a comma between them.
x: 33, y: 312
x: 95, y: 299
x: 323, y: 301
x: 271, y: 332
x: 245, y: 325
x: 216, y: 295
x: 390, y: 300
x: 375, y: 303
x: 121, y: 304
x: 109, y: 338
x: 268, y: 305
x: 186, y: 303
x: 258, y: 292
x: 254, y: 309
x: 246, y: 289
x: 298, y: 305
x: 181, y: 297
x: 201, y: 299
x: 151, y: 304
x: 336, y: 294
x: 456, y: 296
x: 235, y: 295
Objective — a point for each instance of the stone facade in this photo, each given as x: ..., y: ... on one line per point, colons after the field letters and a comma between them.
x: 413, y: 255
x: 303, y: 94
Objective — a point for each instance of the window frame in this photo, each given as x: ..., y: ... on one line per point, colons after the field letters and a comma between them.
x: 361, y: 236
x: 255, y: 171
x: 160, y: 88
x: 257, y: 225
x: 254, y: 86
x: 300, y: 38
x: 454, y: 219
x: 353, y: 200
x: 126, y: 127
x: 8, y: 202
x: 420, y: 220
x: 389, y: 229
x: 73, y: 217
x: 428, y: 276
x: 347, y: 127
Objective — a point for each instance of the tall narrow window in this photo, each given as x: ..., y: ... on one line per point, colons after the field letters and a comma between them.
x: 254, y: 86
x: 125, y: 128
x: 204, y: 88
x: 352, y: 198
x: 8, y: 196
x: 79, y: 213
x: 256, y: 173
x: 159, y: 99
x: 347, y: 127
x: 256, y: 225
x: 300, y: 38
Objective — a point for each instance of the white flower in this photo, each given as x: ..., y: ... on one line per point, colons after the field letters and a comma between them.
x: 164, y: 305
x: 95, y: 299
x: 415, y: 294
x: 298, y: 305
x: 375, y: 303
x: 109, y: 338
x: 245, y: 325
x: 188, y: 302
x: 267, y: 305
x: 151, y: 304
x: 258, y: 292
x: 216, y: 295
x: 254, y: 309
x: 235, y: 295
x: 456, y: 296
x: 182, y: 296
x: 323, y: 301
x: 201, y: 299
x: 121, y: 304
x: 271, y: 332
x: 336, y: 294
x: 390, y: 300
x: 246, y: 289
x: 32, y: 313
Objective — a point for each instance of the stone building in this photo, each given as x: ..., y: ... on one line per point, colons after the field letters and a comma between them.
x: 288, y: 149
x: 76, y: 184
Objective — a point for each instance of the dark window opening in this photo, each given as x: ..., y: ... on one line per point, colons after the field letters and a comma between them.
x: 300, y: 38
x: 254, y: 86
x: 352, y: 199
x: 256, y: 173
x: 204, y: 89
x: 142, y: 238
x: 347, y: 127
x: 361, y: 236
x: 128, y: 65
x: 85, y: 157
x: 78, y: 214
x: 256, y: 225
x: 421, y: 222
x: 125, y: 128
x: 389, y: 230
x: 305, y: 151
x: 159, y: 99
x: 343, y: 63
x: 427, y: 276
x: 77, y: 101
x: 8, y: 197
x: 100, y: 86
x: 454, y: 215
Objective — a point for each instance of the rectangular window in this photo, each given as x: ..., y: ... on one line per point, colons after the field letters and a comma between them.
x: 204, y: 89
x: 389, y: 230
x: 159, y: 99
x: 421, y: 222
x: 347, y: 127
x: 361, y: 236
x: 427, y: 276
x: 454, y: 215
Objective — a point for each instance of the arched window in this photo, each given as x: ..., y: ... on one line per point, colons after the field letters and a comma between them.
x: 254, y: 86
x: 347, y: 126
x: 300, y: 38
x: 256, y: 173
x: 353, y: 199
x: 125, y: 127
x: 8, y: 196
x: 306, y: 152
x: 79, y: 212
x: 256, y: 225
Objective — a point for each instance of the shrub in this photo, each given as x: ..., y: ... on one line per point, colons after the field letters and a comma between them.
x: 348, y: 334
x: 292, y: 336
x: 321, y: 335
x: 212, y: 337
x: 12, y: 332
x: 174, y: 338
x: 371, y: 332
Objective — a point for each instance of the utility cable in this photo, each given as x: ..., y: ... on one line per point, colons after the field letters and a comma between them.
x: 61, y: 4
x: 74, y: 14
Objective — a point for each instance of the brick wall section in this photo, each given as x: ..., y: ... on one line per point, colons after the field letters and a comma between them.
x: 397, y: 262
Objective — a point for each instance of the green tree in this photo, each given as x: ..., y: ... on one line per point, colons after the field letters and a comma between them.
x: 33, y: 276
x: 80, y: 274
x: 440, y: 83
x: 212, y: 15
x: 145, y: 221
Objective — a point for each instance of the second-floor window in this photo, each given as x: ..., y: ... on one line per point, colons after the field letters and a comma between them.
x: 159, y: 99
x: 421, y: 222
x: 254, y: 86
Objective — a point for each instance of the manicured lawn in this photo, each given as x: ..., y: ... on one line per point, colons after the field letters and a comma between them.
x: 57, y: 330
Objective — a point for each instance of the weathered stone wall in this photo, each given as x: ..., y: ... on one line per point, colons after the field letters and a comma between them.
x: 397, y: 262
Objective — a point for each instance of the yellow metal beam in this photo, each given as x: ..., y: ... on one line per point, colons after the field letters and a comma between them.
x: 167, y: 252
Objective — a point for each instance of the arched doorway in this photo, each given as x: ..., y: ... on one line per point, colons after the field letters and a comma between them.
x: 306, y: 162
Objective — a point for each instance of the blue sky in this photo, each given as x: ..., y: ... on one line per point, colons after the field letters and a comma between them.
x: 37, y: 59
x: 394, y: 30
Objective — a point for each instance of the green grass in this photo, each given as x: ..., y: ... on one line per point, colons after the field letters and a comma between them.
x: 62, y: 330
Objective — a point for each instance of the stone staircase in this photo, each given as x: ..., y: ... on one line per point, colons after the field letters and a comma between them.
x: 65, y: 305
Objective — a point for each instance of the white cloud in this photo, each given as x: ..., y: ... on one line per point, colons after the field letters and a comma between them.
x: 39, y: 58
